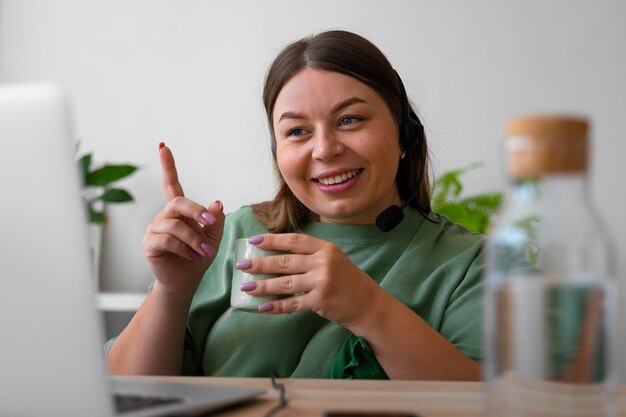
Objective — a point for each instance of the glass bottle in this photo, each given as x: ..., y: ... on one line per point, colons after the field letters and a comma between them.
x: 550, y: 296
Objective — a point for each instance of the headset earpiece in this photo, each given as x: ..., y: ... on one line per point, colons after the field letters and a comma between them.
x: 411, y: 129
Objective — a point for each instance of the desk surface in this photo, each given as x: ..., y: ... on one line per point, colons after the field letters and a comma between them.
x: 312, y: 397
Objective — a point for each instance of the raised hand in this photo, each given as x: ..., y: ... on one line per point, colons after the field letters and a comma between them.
x: 182, y: 240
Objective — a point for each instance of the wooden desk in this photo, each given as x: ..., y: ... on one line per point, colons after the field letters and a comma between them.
x: 311, y: 397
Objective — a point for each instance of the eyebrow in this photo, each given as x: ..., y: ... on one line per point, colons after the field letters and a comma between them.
x: 348, y: 102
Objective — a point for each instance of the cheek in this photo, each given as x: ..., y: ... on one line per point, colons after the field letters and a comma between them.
x: 386, y: 153
x: 385, y: 149
x: 289, y: 164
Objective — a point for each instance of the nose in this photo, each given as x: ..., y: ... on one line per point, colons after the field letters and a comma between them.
x: 326, y: 145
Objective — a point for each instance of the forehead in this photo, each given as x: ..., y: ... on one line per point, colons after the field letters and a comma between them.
x: 315, y: 90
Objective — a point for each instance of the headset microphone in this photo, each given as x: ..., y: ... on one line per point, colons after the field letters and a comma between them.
x: 393, y: 215
x: 411, y: 136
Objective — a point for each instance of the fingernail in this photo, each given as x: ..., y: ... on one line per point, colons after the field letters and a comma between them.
x: 255, y: 240
x: 217, y: 204
x: 208, y: 249
x: 244, y: 264
x: 208, y: 217
x: 266, y: 307
x: 194, y: 254
x: 248, y: 286
x: 161, y: 145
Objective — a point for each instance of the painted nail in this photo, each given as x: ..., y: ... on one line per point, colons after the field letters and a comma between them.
x: 194, y: 254
x: 161, y: 145
x: 248, y: 286
x: 266, y: 307
x: 244, y: 264
x: 208, y: 217
x: 208, y: 249
x: 255, y: 240
x: 219, y: 203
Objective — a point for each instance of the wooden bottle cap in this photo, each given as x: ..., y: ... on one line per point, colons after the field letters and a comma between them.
x: 546, y: 144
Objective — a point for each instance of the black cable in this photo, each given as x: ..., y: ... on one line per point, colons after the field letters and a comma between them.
x: 282, y: 399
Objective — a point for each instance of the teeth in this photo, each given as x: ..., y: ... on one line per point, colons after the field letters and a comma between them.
x: 339, y: 178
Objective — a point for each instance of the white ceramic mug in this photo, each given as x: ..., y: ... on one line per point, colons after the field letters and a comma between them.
x: 241, y: 299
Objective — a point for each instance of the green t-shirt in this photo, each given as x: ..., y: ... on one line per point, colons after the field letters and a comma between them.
x: 433, y: 268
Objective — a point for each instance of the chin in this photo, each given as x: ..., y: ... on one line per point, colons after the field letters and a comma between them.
x: 346, y: 217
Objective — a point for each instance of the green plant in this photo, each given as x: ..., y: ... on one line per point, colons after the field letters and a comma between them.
x: 99, y: 186
x: 474, y: 211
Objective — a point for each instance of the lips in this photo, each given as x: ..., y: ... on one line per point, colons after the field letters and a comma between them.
x: 339, y: 177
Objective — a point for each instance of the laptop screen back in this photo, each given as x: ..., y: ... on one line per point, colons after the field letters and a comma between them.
x: 51, y: 360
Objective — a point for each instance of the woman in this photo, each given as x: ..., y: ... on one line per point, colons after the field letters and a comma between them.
x: 403, y: 304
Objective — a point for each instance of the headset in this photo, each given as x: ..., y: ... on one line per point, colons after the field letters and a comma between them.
x: 411, y: 137
x: 411, y: 129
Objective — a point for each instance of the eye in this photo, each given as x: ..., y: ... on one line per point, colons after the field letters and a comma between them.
x: 295, y: 132
x: 348, y: 120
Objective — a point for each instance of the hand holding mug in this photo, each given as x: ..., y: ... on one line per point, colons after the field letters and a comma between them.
x: 315, y: 276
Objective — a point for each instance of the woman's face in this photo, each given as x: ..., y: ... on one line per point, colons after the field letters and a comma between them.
x: 337, y: 146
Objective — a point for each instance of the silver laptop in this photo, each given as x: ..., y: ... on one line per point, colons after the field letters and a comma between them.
x: 51, y: 356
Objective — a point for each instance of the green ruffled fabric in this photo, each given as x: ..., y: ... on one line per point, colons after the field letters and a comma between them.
x: 356, y: 360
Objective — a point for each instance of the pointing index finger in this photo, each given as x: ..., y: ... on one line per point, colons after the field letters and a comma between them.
x: 171, y: 186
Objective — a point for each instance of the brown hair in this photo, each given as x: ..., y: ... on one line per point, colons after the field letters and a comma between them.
x: 350, y: 54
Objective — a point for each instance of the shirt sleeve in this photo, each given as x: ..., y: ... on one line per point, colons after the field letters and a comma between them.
x: 462, y: 322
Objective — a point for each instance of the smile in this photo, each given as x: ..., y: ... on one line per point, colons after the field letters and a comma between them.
x: 338, y: 179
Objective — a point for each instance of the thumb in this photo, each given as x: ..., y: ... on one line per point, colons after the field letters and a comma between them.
x: 215, y: 231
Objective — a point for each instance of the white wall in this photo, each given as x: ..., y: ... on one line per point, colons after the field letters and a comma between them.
x: 191, y: 72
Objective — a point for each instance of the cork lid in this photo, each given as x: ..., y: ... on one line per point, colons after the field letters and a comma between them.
x: 546, y: 144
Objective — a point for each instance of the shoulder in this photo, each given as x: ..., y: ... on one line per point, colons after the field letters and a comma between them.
x: 442, y: 242
x: 242, y: 214
x: 442, y: 233
x: 448, y: 230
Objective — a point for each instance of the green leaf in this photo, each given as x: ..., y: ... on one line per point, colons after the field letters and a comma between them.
x: 448, y: 186
x: 85, y: 162
x: 108, y: 174
x: 473, y: 212
x: 116, y: 195
x: 96, y: 216
x: 473, y: 220
x: 487, y: 203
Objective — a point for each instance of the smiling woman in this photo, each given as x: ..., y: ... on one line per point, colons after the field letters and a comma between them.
x: 402, y: 304
x: 346, y: 132
x: 341, y: 59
